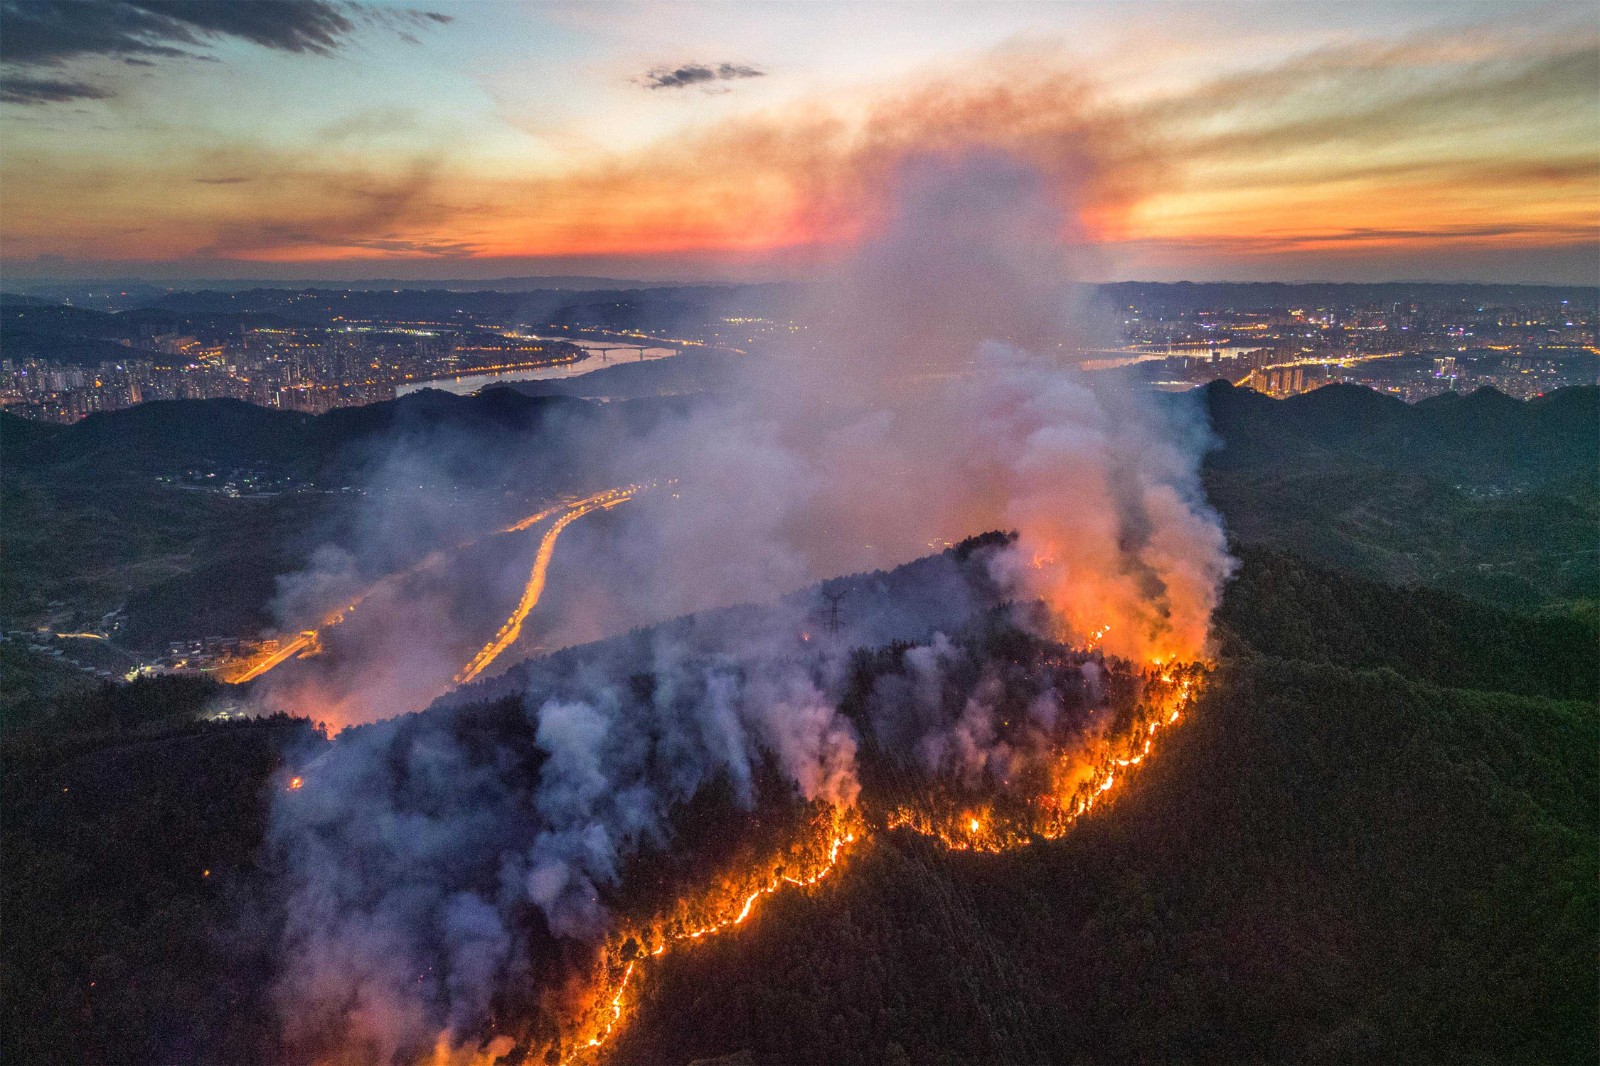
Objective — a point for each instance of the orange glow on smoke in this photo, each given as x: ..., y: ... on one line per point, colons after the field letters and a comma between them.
x: 1079, y: 782
x: 309, y: 642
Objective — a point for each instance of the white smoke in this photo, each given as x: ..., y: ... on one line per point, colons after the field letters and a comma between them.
x: 932, y: 394
x: 928, y: 400
x: 415, y: 847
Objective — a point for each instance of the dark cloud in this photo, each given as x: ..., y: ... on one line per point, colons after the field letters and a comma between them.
x: 299, y: 207
x: 48, y: 33
x: 698, y: 74
x: 1438, y: 233
x: 15, y: 89
x: 51, y: 31
x: 222, y: 181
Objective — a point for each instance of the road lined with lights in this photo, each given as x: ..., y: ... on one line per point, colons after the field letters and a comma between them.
x: 309, y: 640
x: 512, y: 629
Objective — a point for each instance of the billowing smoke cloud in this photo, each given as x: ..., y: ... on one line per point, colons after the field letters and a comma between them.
x: 932, y: 397
x: 435, y: 862
x: 420, y: 849
x: 421, y: 564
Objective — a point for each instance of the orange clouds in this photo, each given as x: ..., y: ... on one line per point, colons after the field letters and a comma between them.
x: 1473, y: 138
x: 816, y: 171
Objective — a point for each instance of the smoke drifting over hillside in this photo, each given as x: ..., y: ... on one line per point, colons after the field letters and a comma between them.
x: 928, y: 399
x: 435, y: 865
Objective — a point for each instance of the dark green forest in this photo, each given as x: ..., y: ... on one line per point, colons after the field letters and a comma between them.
x: 1377, y: 848
x: 1374, y: 839
x: 1482, y: 495
x: 1332, y: 861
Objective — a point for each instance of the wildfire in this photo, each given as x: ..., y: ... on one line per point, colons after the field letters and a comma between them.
x: 304, y: 642
x: 512, y: 629
x: 309, y: 642
x: 1074, y: 792
x: 728, y: 909
x: 1076, y: 785
x: 532, y: 520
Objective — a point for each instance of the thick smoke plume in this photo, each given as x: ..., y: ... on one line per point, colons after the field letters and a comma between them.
x: 932, y: 396
x: 420, y: 849
x: 421, y: 556
x: 438, y: 862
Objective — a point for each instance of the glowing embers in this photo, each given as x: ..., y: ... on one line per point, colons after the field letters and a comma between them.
x: 1067, y: 787
x: 1044, y: 806
x: 807, y: 861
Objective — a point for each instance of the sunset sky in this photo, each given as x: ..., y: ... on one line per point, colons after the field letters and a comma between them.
x: 1268, y: 140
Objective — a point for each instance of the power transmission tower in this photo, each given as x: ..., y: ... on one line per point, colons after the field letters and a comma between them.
x: 833, y: 599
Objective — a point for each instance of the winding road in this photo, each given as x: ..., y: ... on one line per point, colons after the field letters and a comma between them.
x: 531, y: 592
x: 308, y: 640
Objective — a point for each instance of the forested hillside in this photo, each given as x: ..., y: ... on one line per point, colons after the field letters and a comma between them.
x: 1482, y: 494
x: 1367, y: 851
x: 1373, y: 840
x: 1334, y: 860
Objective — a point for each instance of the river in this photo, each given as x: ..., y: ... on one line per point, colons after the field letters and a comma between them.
x: 597, y: 354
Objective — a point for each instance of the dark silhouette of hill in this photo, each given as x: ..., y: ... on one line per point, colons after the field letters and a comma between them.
x: 36, y: 328
x: 668, y: 309
x: 33, y: 329
x: 165, y: 434
x: 87, y: 518
x: 1480, y: 494
x: 1548, y: 437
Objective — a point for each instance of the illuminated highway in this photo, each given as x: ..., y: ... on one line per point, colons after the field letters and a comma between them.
x: 531, y: 592
x: 282, y: 655
x: 308, y: 642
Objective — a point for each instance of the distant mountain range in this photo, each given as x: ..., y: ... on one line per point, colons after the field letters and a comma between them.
x: 36, y: 323
x: 32, y: 328
x: 1483, y: 495
x: 139, y: 289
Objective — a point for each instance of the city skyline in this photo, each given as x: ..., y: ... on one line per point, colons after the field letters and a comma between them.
x: 1196, y: 142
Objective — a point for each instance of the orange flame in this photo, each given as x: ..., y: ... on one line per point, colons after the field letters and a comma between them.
x: 840, y: 828
x: 1076, y: 785
x: 1076, y: 789
x: 309, y: 642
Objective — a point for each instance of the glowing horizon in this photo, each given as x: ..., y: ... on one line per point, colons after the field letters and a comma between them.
x: 1453, y: 142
